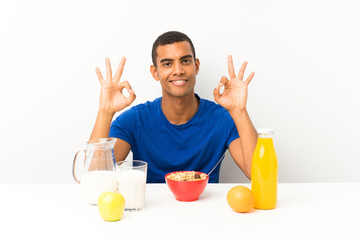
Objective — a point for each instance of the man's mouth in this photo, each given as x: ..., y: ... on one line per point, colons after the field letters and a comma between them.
x: 178, y: 82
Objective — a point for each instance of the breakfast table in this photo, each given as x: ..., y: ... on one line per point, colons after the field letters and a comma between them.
x: 304, y: 211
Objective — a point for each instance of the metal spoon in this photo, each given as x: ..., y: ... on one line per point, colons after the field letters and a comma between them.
x: 222, y: 157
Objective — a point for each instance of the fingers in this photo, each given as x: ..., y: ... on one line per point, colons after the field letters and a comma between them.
x: 250, y: 77
x: 242, y: 71
x: 132, y: 95
x: 131, y: 98
x: 231, y: 67
x: 126, y: 85
x: 100, y: 77
x: 223, y: 82
x: 108, y: 69
x: 216, y: 93
x: 120, y: 69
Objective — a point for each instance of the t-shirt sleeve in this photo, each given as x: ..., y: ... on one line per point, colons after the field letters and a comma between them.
x: 123, y: 127
x: 233, y: 135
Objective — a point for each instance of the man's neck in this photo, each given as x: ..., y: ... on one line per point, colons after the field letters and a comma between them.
x: 179, y: 110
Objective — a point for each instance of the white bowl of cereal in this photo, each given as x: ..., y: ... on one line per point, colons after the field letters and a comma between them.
x: 187, y: 185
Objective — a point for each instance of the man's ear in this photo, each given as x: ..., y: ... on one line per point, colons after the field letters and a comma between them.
x: 154, y: 73
x: 197, y: 66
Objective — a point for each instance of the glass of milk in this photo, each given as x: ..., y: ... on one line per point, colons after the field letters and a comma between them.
x: 131, y: 176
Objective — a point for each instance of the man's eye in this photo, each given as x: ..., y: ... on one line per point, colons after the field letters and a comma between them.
x: 186, y: 61
x: 167, y: 64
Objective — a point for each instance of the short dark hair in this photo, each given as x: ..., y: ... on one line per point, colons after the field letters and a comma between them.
x: 170, y: 38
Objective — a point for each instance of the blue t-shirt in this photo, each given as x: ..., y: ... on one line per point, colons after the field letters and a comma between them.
x: 197, y: 145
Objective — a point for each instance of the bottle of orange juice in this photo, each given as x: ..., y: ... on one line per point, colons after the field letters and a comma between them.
x: 264, y: 171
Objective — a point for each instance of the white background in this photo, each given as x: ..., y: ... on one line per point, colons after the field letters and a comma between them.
x: 305, y: 55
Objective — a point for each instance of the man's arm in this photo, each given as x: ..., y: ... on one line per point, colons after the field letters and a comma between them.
x: 234, y: 98
x: 242, y: 149
x: 112, y: 100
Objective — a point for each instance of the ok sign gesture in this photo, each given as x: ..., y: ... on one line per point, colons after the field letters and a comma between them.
x: 112, y: 98
x: 234, y: 96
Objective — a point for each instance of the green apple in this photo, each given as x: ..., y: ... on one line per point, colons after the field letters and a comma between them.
x: 111, y: 206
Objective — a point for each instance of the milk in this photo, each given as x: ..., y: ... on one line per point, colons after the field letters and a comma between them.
x: 93, y: 183
x: 132, y: 186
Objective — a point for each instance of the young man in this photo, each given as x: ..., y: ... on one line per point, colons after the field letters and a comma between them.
x: 179, y: 131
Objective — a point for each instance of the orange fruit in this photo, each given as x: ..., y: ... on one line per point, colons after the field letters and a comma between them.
x: 240, y: 199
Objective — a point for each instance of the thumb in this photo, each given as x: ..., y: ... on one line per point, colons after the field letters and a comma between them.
x: 216, y: 93
x: 130, y: 98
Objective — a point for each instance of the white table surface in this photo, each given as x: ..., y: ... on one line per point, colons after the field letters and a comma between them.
x: 304, y: 211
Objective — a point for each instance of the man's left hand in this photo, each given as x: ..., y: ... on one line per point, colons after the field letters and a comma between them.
x: 234, y: 96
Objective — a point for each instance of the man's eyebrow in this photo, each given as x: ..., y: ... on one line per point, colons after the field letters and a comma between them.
x: 166, y: 60
x: 171, y: 60
x: 186, y: 56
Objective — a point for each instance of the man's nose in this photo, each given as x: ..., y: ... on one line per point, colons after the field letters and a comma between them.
x: 178, y: 69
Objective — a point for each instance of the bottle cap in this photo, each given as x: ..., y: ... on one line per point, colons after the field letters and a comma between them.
x: 265, y: 131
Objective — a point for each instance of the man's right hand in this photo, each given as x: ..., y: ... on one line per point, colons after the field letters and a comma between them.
x: 112, y: 99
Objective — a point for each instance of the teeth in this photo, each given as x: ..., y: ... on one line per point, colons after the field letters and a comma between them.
x: 178, y: 82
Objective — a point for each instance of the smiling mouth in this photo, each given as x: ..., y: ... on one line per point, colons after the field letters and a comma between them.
x: 178, y: 82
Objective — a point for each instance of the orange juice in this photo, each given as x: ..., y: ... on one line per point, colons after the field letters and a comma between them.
x: 264, y: 171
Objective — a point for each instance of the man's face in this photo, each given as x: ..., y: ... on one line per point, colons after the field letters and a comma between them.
x: 176, y: 69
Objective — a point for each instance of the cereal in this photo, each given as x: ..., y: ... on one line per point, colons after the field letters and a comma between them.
x: 187, y: 176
